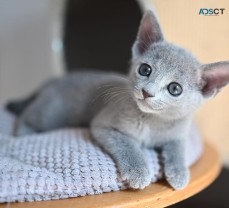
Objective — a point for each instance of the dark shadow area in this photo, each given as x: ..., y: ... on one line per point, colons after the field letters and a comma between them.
x: 99, y: 34
x: 215, y: 196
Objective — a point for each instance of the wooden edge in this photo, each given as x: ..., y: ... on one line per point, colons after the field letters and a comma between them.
x: 160, y: 194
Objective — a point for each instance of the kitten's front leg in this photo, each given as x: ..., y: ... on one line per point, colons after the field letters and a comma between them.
x: 127, y: 154
x: 175, y: 169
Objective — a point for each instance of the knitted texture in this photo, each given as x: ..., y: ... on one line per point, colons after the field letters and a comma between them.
x: 63, y: 163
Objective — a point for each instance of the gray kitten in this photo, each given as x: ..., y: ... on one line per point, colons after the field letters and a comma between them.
x: 153, y: 106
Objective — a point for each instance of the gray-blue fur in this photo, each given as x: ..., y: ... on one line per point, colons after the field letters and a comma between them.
x: 121, y: 119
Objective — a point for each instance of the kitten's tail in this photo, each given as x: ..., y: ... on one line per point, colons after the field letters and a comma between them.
x: 18, y: 106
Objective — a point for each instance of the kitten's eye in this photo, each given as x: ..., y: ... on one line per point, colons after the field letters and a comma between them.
x: 174, y: 89
x: 145, y: 70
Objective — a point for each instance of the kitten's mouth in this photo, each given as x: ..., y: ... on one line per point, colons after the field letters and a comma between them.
x: 146, y: 104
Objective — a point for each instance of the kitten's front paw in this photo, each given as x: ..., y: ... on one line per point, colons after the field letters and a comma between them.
x: 137, y: 177
x: 177, y: 177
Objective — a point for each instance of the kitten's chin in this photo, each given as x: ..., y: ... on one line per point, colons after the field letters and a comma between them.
x: 146, y: 108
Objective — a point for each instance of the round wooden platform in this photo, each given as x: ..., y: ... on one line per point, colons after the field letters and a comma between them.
x: 203, y: 173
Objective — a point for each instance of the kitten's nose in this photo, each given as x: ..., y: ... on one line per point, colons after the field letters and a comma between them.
x: 146, y: 94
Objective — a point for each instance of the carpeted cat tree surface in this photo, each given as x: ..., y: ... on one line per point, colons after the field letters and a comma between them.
x: 63, y: 163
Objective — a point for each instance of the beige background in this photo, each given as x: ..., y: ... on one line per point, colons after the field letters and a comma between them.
x: 208, y: 38
x: 30, y: 45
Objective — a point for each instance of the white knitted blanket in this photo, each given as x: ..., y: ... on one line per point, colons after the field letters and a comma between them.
x: 62, y: 164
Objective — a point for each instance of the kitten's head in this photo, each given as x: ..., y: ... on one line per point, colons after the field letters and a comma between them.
x: 166, y: 79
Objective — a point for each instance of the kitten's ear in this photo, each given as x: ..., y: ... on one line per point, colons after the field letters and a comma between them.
x: 149, y: 32
x: 214, y: 77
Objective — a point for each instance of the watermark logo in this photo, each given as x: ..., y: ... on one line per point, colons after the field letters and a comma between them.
x: 211, y: 12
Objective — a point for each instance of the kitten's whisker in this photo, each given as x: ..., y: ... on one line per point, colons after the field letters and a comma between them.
x: 102, y: 93
x: 118, y: 96
x: 111, y: 92
x: 120, y: 99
